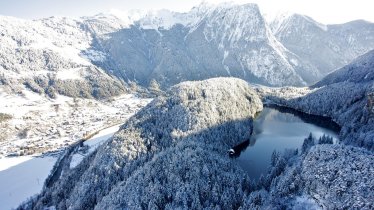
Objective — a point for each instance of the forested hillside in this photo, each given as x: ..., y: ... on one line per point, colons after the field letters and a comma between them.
x: 173, y: 153
x: 346, y: 96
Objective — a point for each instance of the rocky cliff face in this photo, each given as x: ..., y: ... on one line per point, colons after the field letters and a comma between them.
x: 231, y: 40
x: 224, y: 40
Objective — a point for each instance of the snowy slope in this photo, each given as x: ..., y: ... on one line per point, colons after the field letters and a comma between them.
x: 46, y: 56
x: 361, y: 70
x: 172, y: 154
x: 209, y: 41
x: 60, y: 55
x: 325, y: 47
x: 51, y: 130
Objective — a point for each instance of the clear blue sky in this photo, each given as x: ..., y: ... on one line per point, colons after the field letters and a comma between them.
x: 325, y: 11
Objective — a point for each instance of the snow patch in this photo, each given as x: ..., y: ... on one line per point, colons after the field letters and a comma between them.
x: 93, y: 143
x: 294, y: 62
x: 305, y: 202
x: 94, y: 55
x: 73, y: 74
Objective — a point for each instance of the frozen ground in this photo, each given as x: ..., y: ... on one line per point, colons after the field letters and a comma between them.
x: 40, y: 125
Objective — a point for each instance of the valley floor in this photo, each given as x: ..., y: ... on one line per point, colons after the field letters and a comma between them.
x: 22, y: 177
x: 39, y: 125
x: 40, y: 128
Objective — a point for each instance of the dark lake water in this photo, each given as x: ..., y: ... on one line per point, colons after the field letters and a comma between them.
x: 279, y: 128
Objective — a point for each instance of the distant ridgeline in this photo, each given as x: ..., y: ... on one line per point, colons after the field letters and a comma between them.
x: 106, y: 55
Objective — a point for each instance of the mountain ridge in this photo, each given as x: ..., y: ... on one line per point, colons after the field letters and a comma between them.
x: 171, y: 47
x: 220, y: 30
x: 327, y: 47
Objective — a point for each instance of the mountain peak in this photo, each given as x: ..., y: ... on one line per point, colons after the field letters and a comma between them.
x: 288, y: 20
x: 166, y: 19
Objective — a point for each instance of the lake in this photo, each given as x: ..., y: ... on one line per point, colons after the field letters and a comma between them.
x: 279, y: 128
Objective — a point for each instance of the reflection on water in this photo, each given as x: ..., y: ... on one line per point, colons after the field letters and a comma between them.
x: 279, y: 128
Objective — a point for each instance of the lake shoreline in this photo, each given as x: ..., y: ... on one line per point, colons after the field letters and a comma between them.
x: 277, y: 129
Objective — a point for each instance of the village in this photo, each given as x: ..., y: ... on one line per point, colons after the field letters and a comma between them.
x: 45, y: 126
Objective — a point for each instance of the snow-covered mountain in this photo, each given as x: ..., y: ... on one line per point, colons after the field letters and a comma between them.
x: 46, y: 57
x: 95, y: 56
x: 62, y: 55
x: 228, y: 40
x: 325, y: 47
x: 209, y: 41
x: 172, y: 154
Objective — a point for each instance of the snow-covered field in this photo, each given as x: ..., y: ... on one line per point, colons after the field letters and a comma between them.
x: 22, y: 177
x: 8, y: 162
x: 41, y: 125
x: 49, y: 130
x: 93, y: 143
x: 21, y: 181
